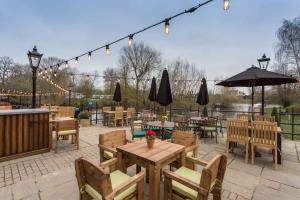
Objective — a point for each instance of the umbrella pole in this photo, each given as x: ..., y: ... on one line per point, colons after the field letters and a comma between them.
x: 154, y: 111
x: 262, y: 100
x: 252, y: 97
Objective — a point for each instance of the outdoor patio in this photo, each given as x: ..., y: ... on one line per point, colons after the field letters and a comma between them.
x: 52, y: 176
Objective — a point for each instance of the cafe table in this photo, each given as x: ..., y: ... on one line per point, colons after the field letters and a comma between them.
x: 161, y: 126
x: 154, y: 159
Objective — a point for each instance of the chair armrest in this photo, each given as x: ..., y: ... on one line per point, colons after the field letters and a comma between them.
x: 168, y: 140
x: 108, y: 163
x: 191, y: 148
x: 127, y: 184
x: 129, y: 141
x: 196, y: 161
x: 109, y: 149
x: 186, y: 182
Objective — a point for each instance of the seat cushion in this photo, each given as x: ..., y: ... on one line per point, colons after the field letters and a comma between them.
x: 138, y: 134
x: 68, y: 132
x: 192, y: 175
x: 108, y: 155
x: 117, y: 178
x: 137, y: 122
x: 189, y: 154
x: 167, y: 136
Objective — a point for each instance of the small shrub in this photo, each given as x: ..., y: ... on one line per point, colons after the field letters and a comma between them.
x: 84, y: 115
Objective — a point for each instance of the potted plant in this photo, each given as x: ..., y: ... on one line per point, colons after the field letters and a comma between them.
x: 84, y: 118
x: 150, y: 136
x: 164, y: 118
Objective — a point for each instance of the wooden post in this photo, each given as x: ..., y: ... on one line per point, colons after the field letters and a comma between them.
x: 293, y: 122
x: 96, y: 112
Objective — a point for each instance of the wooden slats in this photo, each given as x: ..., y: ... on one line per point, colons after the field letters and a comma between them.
x: 264, y: 118
x: 23, y: 133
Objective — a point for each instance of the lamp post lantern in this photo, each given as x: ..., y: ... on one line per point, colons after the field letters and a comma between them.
x: 263, y: 64
x: 34, y: 59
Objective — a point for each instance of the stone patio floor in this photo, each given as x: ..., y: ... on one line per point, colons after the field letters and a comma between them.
x: 52, y: 176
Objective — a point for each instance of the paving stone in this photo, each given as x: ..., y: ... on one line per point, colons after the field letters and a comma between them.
x: 239, y: 190
x: 69, y: 191
x: 24, y: 189
x: 266, y: 193
x: 281, y: 177
x: 241, y: 178
x: 6, y: 193
x: 232, y: 196
x: 271, y: 184
x: 291, y: 190
x: 240, y: 165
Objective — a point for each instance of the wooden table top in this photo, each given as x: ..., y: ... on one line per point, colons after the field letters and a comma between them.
x: 278, y: 128
x: 60, y: 119
x: 161, y: 151
x: 167, y: 124
x: 199, y: 118
x: 113, y: 111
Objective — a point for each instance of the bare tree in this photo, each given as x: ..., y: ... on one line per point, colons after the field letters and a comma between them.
x: 6, y: 64
x: 110, y: 79
x: 185, y: 78
x: 288, y: 48
x: 140, y: 60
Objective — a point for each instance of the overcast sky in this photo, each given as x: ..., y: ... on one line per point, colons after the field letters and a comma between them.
x: 221, y: 43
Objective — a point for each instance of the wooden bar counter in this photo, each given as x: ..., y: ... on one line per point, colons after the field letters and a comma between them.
x: 24, y: 132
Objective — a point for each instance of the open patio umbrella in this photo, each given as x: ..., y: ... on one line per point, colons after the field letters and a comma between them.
x: 152, y: 93
x: 255, y: 76
x: 117, y: 95
x: 164, y: 95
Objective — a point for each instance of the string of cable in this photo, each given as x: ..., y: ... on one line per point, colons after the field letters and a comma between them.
x: 130, y: 37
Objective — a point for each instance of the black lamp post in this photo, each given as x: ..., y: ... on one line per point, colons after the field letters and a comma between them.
x: 34, y: 59
x: 263, y: 64
x: 70, y: 86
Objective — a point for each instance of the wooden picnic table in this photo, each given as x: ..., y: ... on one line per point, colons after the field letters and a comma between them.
x: 162, y: 154
x: 108, y: 115
x: 161, y: 126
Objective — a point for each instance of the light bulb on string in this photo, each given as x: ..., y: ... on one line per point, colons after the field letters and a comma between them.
x: 89, y: 55
x: 226, y: 4
x: 107, y: 50
x: 130, y: 40
x: 76, y: 60
x: 66, y: 64
x: 167, y: 26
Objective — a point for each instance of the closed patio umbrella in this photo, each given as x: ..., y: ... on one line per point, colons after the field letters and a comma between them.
x: 202, y: 98
x: 152, y: 93
x: 255, y: 76
x: 164, y: 95
x: 117, y: 95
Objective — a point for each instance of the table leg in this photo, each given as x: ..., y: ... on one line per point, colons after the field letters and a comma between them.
x: 279, y: 149
x: 154, y: 185
x: 182, y: 158
x: 121, y: 163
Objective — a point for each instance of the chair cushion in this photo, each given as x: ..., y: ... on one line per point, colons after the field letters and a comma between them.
x: 190, y: 154
x: 68, y: 132
x: 138, y: 134
x: 108, y: 155
x: 208, y: 128
x: 193, y: 125
x: 137, y: 122
x: 169, y: 129
x: 167, y: 136
x: 117, y: 178
x: 190, y: 174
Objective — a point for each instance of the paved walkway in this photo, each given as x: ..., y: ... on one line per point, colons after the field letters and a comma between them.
x: 51, y: 176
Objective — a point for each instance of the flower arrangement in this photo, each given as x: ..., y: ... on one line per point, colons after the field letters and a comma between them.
x: 164, y: 118
x: 150, y: 136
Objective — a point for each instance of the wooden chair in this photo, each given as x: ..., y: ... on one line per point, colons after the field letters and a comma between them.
x: 210, y: 125
x: 130, y: 115
x: 137, y: 129
x: 238, y: 132
x: 65, y: 111
x: 95, y: 183
x: 264, y: 134
x: 264, y: 118
x: 245, y: 117
x: 181, y: 122
x: 108, y: 143
x: 119, y: 116
x: 185, y: 183
x: 67, y: 128
x: 190, y: 141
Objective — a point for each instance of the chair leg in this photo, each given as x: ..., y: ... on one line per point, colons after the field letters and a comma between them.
x: 227, y: 148
x: 276, y: 161
x: 216, y: 135
x: 252, y: 154
x: 247, y: 149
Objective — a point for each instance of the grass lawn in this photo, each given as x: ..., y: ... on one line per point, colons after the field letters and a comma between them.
x: 288, y: 128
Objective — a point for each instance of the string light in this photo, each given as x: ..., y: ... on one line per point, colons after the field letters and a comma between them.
x: 226, y: 4
x: 167, y: 26
x: 130, y: 40
x: 66, y: 64
x: 165, y: 21
x: 107, y: 50
x: 76, y: 60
